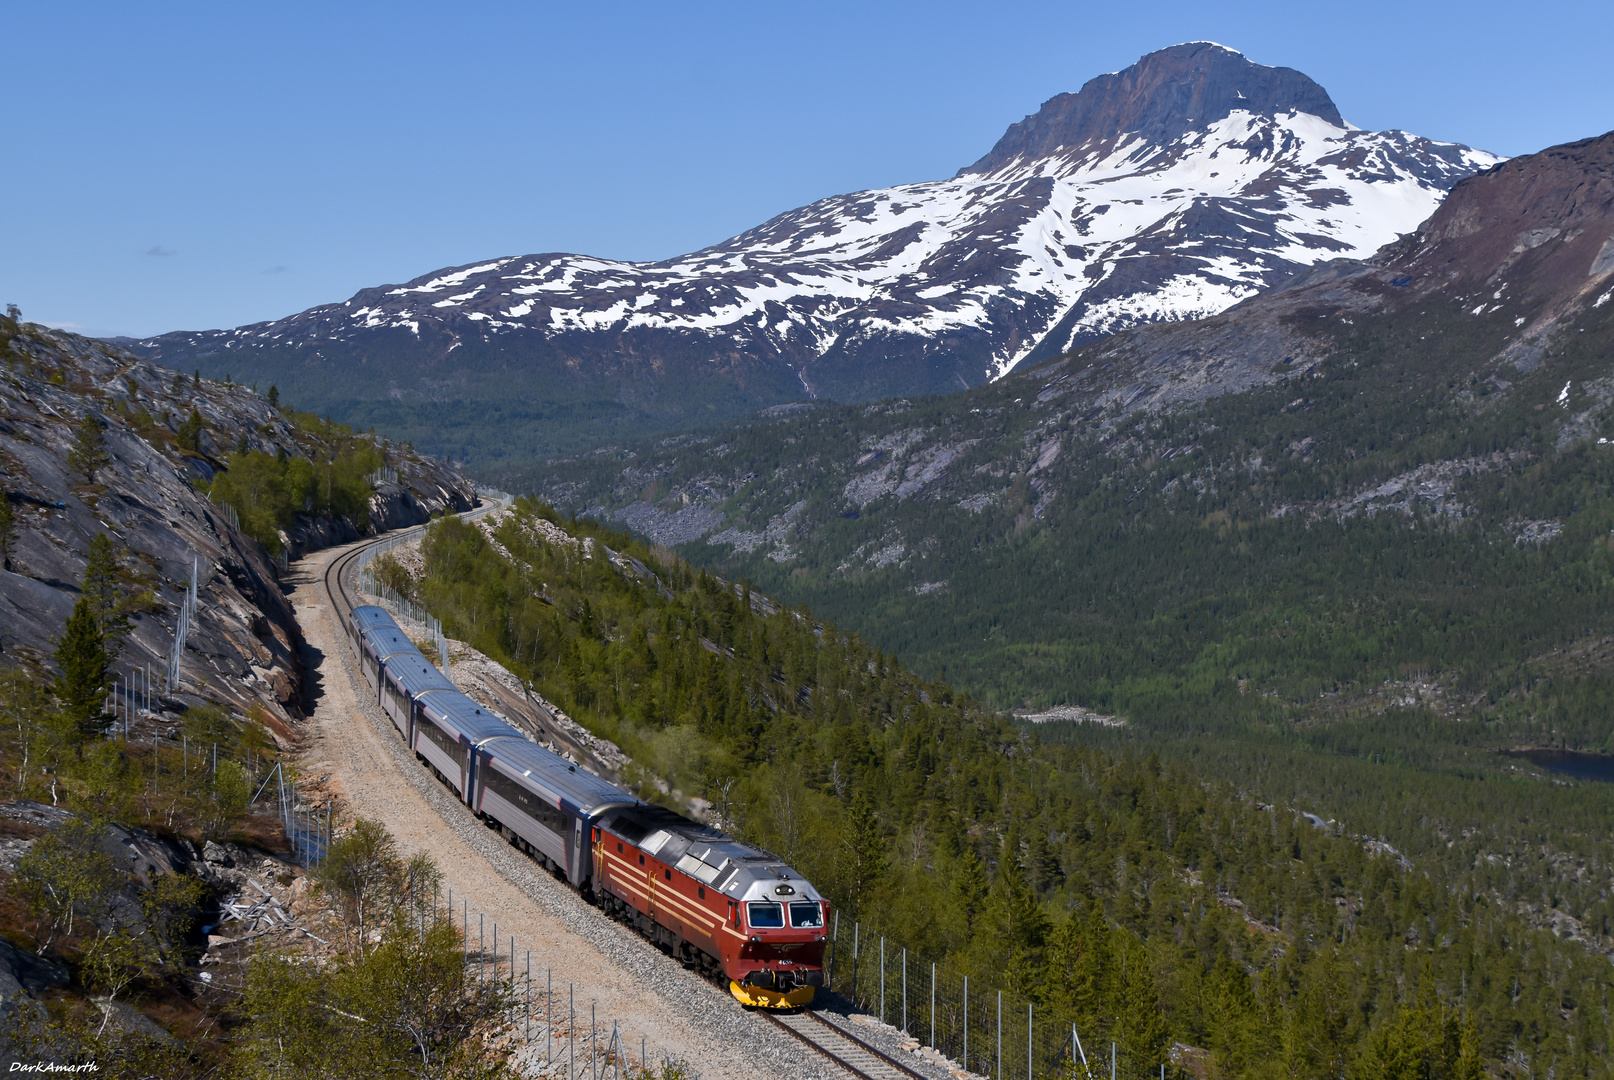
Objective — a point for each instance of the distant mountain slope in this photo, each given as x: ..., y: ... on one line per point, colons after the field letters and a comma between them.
x: 1170, y: 190
x: 1408, y: 457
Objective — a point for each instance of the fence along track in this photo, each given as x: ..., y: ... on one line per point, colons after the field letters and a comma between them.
x: 842, y: 1047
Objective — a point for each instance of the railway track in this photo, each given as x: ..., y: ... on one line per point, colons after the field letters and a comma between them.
x: 335, y: 585
x: 840, y: 1046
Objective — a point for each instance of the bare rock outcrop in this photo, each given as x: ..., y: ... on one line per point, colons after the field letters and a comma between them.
x: 242, y: 647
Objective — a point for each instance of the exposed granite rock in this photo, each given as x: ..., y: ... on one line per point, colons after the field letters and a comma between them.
x: 22, y: 976
x: 242, y: 647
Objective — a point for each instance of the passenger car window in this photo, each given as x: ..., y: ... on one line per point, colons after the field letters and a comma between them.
x: 764, y: 916
x: 806, y: 913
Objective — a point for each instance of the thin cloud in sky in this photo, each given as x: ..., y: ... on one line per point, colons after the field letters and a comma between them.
x: 160, y: 252
x: 278, y: 270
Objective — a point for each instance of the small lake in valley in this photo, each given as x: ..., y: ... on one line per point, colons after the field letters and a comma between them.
x: 1581, y: 766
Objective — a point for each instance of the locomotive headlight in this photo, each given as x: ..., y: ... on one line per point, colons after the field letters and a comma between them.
x: 755, y: 939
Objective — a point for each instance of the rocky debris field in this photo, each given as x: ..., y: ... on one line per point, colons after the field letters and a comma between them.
x: 251, y: 897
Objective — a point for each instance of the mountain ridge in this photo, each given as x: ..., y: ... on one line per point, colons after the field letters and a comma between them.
x: 1157, y: 98
x: 919, y: 288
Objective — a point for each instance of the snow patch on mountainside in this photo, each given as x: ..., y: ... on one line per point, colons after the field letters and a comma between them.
x: 1295, y: 189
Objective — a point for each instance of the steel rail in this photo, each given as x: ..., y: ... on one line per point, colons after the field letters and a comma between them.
x: 823, y: 1044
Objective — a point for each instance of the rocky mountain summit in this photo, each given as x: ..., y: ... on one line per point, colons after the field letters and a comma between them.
x: 143, y: 495
x: 1168, y: 191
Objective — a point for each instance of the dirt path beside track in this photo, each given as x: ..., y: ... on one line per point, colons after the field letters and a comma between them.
x: 357, y: 754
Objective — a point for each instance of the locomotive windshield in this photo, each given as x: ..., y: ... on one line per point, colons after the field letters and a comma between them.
x: 766, y: 916
x: 806, y: 913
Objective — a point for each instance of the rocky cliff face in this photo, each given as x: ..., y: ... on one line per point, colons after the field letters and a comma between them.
x: 242, y: 648
x: 1170, y: 190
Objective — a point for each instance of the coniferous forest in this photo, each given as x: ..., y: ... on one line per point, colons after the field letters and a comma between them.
x: 1137, y: 895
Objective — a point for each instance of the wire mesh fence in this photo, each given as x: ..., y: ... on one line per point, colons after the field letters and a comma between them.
x: 989, y: 1031
x: 192, y: 769
x: 553, y: 1035
x: 182, y: 626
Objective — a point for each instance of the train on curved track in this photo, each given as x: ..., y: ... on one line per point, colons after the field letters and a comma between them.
x: 724, y: 907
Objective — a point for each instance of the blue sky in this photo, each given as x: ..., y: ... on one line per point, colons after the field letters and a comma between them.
x: 177, y: 166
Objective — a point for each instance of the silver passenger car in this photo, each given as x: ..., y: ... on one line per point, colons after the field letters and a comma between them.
x: 407, y: 678
x: 366, y: 617
x: 544, y: 802
x: 376, y: 646
x: 449, y: 727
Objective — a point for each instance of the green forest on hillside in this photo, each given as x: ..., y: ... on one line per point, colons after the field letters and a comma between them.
x: 1280, y: 947
x: 1214, y: 577
x: 329, y: 475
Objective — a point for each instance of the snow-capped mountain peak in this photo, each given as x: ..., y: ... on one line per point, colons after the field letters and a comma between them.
x: 1169, y: 190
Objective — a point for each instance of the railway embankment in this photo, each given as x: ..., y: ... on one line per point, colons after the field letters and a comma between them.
x: 354, y: 752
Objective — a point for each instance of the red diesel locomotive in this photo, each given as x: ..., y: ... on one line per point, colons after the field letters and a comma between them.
x: 713, y: 902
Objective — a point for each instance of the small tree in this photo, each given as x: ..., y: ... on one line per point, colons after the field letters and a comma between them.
x: 433, y: 1014
x: 410, y: 1007
x: 88, y: 454
x: 394, y: 575
x: 189, y: 435
x: 66, y: 879
x: 117, y: 958
x: 170, y: 906
x: 25, y: 710
x: 865, y: 851
x: 8, y: 529
x: 363, y: 871
x: 81, y: 680
x: 228, y: 799
x: 274, y: 395
x: 103, y: 782
x: 104, y: 591
x: 970, y: 886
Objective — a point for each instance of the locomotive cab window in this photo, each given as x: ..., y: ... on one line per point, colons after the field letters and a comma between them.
x: 806, y: 913
x: 765, y: 915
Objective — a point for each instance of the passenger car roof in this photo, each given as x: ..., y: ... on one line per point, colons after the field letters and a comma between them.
x: 575, y: 788
x: 417, y: 675
x: 368, y: 616
x: 459, y: 712
x: 389, y: 641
